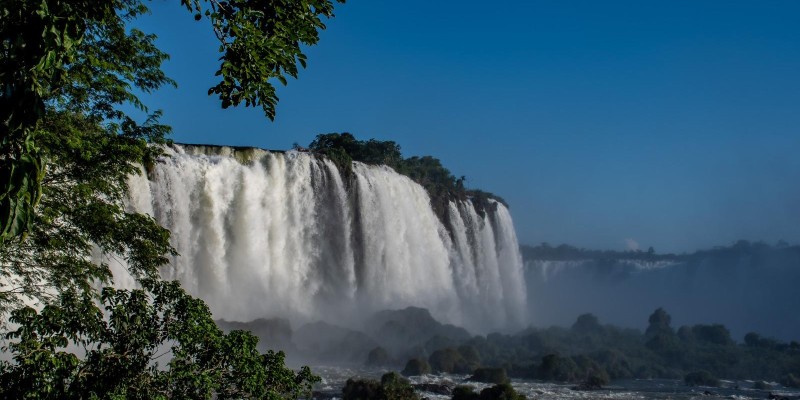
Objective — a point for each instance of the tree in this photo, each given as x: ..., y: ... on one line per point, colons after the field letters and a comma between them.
x: 587, y: 324
x: 81, y: 56
x: 81, y: 224
x: 66, y: 69
x: 123, y: 347
x: 659, y: 322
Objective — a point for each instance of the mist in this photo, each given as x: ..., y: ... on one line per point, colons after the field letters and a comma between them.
x: 748, y: 287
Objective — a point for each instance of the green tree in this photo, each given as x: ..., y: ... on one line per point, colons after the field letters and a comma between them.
x: 67, y: 149
x: 123, y: 346
x: 82, y: 56
x: 659, y: 322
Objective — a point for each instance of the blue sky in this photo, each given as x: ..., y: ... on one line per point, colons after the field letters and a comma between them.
x: 673, y: 124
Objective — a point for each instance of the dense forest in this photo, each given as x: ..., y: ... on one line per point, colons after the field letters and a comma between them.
x: 756, y: 251
x: 590, y: 353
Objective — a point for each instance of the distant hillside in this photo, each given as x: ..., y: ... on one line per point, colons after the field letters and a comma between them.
x: 748, y: 286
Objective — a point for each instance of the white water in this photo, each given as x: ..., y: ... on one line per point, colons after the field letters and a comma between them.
x: 282, y: 235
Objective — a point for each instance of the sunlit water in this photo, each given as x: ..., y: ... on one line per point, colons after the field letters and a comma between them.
x: 334, y: 378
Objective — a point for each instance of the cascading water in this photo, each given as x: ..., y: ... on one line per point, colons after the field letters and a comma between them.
x: 267, y: 234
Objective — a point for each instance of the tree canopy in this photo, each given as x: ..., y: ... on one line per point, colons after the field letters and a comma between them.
x: 83, y: 56
x: 66, y: 69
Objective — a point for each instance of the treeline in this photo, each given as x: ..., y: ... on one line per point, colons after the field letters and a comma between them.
x: 591, y: 354
x: 442, y: 186
x: 758, y: 251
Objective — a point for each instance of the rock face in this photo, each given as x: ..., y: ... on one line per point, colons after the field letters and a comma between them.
x: 273, y: 334
x: 324, y: 342
x: 399, y: 330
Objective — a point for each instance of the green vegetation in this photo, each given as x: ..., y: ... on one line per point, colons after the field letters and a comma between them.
x: 502, y: 391
x: 391, y: 387
x: 124, y: 345
x: 442, y: 187
x: 68, y: 69
x: 591, y: 354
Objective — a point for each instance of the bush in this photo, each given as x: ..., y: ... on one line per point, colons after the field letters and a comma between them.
x: 362, y: 389
x: 391, y: 387
x: 701, y: 378
x: 416, y: 367
x: 557, y: 368
x: 503, y: 391
x: 595, y: 380
x: 449, y: 360
x: 395, y: 387
x: 464, y: 392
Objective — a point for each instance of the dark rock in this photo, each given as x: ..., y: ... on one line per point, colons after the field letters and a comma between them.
x: 273, y: 334
x: 436, y: 388
x: 489, y: 375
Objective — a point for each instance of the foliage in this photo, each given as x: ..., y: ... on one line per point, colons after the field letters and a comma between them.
x: 596, y: 379
x: 67, y: 68
x: 260, y: 40
x: 81, y: 224
x: 416, y: 367
x: 76, y: 56
x: 590, y: 353
x: 587, y: 324
x: 82, y: 56
x: 659, y: 322
x: 391, y: 387
x: 502, y: 391
x: 122, y: 346
x: 442, y: 187
x: 450, y: 360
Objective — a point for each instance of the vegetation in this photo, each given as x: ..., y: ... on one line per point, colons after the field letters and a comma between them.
x: 442, y: 187
x: 502, y: 391
x: 756, y: 251
x: 591, y: 354
x: 391, y: 387
x: 66, y: 70
x: 123, y: 344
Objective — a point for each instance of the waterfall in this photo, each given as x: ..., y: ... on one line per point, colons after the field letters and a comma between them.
x: 270, y: 234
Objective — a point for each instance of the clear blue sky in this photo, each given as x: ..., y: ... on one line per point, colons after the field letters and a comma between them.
x: 674, y: 123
